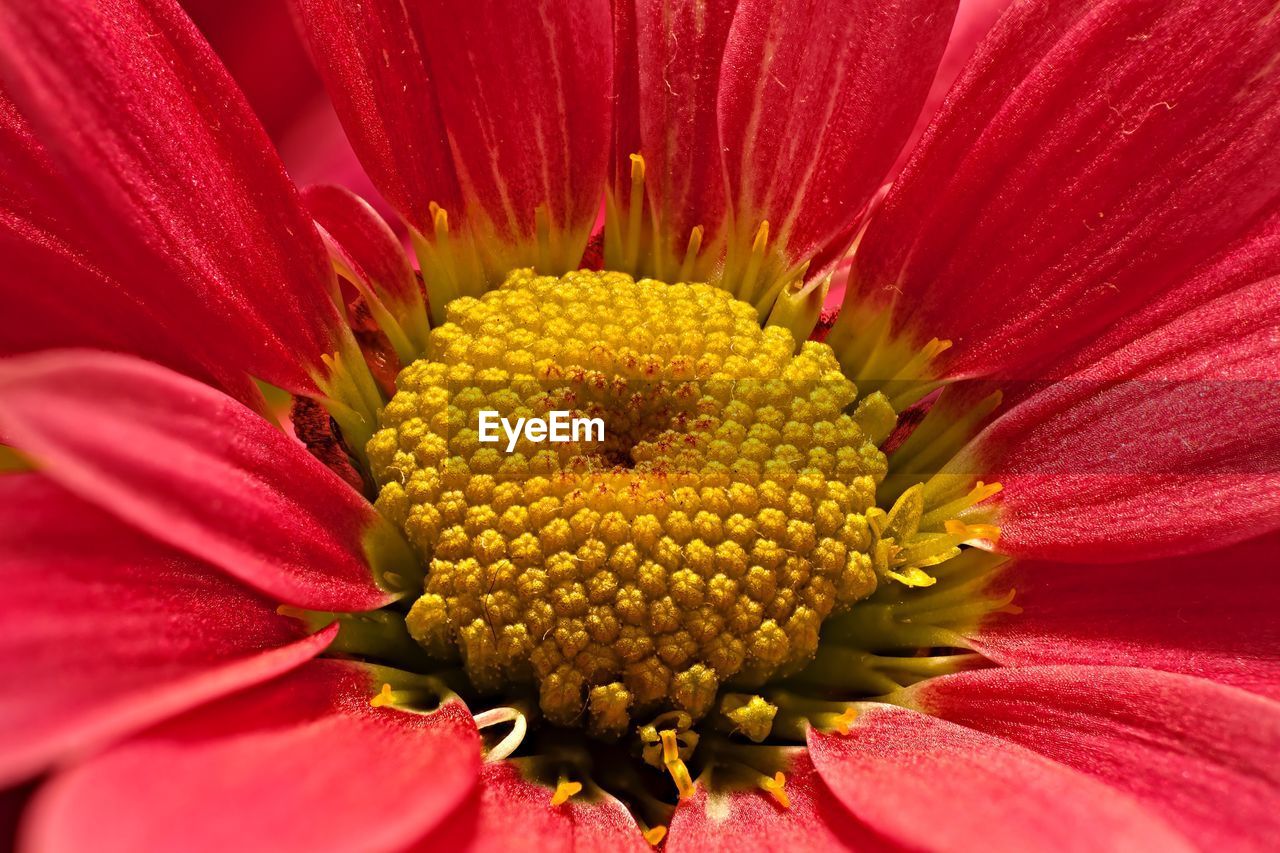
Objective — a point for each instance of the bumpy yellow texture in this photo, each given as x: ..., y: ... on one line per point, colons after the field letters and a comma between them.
x: 703, y: 542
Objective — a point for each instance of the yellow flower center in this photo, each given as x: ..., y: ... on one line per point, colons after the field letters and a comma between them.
x: 727, y: 512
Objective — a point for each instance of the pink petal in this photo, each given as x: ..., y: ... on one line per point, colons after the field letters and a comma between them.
x: 750, y: 819
x: 1090, y: 157
x: 1204, y: 757
x: 1211, y: 615
x: 304, y: 762
x: 172, y: 182
x: 524, y: 90
x: 104, y: 631
x: 815, y: 101
x: 509, y: 811
x: 1121, y: 461
x: 980, y: 792
x: 364, y: 242
x: 372, y: 61
x: 201, y: 473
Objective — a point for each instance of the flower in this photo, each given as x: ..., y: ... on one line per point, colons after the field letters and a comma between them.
x: 975, y: 566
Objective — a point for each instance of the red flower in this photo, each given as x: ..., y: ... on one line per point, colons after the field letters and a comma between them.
x: 218, y: 634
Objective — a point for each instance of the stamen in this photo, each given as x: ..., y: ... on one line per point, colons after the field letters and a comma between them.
x: 799, y: 305
x: 564, y: 790
x: 675, y: 766
x: 654, y: 835
x: 777, y: 786
x: 385, y: 697
x: 844, y: 722
x: 635, y: 212
x: 747, y: 285
x: 691, y: 254
x: 973, y: 533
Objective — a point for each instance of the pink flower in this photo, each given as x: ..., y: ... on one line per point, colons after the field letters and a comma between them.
x: 1038, y: 537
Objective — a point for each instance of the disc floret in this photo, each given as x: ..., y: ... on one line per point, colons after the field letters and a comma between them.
x: 727, y: 513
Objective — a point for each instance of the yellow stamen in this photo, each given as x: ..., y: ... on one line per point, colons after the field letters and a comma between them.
x: 691, y: 253
x: 385, y: 697
x: 671, y: 759
x: 973, y: 532
x: 913, y: 577
x: 844, y: 722
x: 777, y: 787
x: 655, y: 835
x: 635, y: 212
x: 564, y: 790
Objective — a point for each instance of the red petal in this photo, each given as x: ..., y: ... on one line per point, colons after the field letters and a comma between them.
x: 1211, y: 615
x: 1100, y: 470
x: 1253, y: 261
x: 304, y: 762
x: 104, y: 631
x: 172, y: 181
x: 509, y: 811
x: 667, y: 71
x: 56, y: 294
x: 364, y: 242
x: 974, y: 19
x: 1090, y: 157
x: 733, y: 821
x: 13, y: 803
x: 200, y: 472
x: 814, y: 104
x: 524, y: 88
x: 981, y: 793
x: 262, y: 51
x: 492, y: 110
x: 371, y: 59
x: 1203, y: 756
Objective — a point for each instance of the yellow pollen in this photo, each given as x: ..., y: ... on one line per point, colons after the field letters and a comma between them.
x: 777, y: 787
x: 564, y: 791
x: 655, y: 835
x: 729, y: 510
